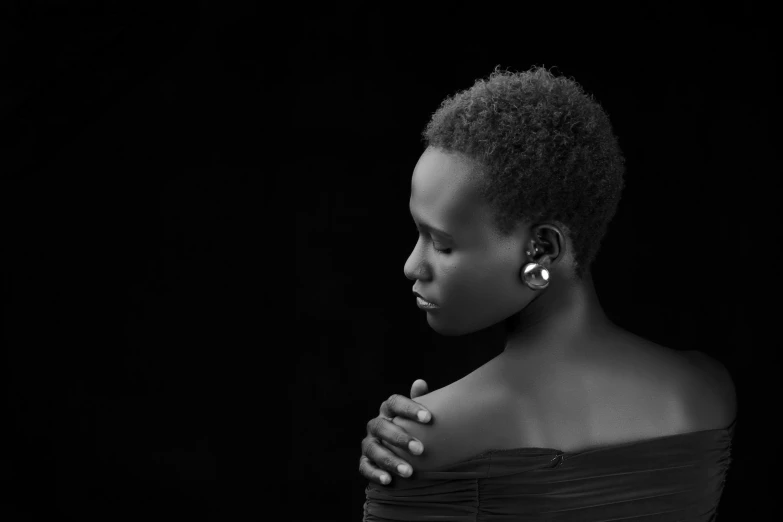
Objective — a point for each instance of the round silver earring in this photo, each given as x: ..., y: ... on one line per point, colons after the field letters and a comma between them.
x: 535, y: 275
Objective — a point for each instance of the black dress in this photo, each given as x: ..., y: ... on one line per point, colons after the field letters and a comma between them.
x: 677, y: 477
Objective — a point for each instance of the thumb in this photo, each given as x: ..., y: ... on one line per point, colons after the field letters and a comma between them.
x: 419, y: 388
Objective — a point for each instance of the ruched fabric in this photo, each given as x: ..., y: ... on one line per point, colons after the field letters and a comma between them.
x: 673, y: 478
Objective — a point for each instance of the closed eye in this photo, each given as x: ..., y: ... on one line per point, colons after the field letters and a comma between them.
x: 445, y: 251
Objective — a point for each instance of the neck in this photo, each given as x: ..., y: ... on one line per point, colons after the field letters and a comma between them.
x: 566, y: 312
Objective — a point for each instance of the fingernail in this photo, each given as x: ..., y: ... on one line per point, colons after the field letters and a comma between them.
x: 415, y: 447
x: 424, y: 416
x: 403, y: 470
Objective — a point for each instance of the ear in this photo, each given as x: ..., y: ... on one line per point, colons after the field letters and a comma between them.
x: 551, y: 239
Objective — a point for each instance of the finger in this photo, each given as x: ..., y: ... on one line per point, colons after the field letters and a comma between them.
x: 384, y: 459
x: 370, y: 472
x: 419, y: 388
x: 380, y: 430
x: 401, y: 406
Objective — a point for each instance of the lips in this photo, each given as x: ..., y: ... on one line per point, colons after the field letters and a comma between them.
x: 418, y: 294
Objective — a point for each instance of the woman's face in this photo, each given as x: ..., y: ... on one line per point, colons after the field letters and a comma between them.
x: 472, y: 273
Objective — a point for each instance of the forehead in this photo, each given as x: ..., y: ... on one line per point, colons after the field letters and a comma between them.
x: 444, y: 191
x: 441, y: 181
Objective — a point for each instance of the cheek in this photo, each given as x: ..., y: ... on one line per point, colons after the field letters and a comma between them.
x: 494, y: 273
x: 482, y: 283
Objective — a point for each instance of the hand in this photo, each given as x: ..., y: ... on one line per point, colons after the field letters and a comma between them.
x: 374, y: 455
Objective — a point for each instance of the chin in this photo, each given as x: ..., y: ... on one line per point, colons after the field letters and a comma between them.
x: 449, y: 330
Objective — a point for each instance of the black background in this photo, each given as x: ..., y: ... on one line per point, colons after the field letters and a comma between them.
x: 129, y: 149
x: 147, y: 302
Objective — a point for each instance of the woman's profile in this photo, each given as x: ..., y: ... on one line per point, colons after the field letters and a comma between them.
x: 577, y: 418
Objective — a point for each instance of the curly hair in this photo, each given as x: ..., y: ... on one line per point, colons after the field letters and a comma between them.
x: 543, y: 150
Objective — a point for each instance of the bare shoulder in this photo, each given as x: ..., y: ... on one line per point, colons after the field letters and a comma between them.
x: 712, y: 395
x: 703, y: 386
x: 457, y: 431
x: 675, y: 391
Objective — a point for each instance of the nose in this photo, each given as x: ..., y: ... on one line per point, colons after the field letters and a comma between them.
x: 409, y: 268
x: 413, y: 263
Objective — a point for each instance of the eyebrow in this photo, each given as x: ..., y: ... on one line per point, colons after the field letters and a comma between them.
x: 429, y: 227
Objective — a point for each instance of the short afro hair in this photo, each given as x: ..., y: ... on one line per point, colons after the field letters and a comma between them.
x: 544, y: 150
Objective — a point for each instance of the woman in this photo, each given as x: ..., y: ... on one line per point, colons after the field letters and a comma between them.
x: 577, y: 419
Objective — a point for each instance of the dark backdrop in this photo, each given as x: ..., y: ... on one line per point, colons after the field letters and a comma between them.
x: 690, y: 260
x: 127, y: 154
